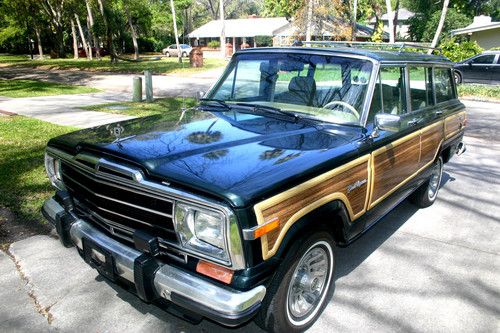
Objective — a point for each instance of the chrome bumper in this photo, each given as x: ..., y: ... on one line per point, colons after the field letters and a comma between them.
x: 225, y: 304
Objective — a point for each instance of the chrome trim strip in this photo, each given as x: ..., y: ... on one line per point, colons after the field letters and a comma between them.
x: 233, y: 237
x: 119, y: 201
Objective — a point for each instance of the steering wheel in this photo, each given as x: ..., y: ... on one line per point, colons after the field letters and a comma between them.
x: 344, y: 104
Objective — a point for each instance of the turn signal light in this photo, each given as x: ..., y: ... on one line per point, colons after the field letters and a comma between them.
x: 265, y: 228
x: 214, y: 271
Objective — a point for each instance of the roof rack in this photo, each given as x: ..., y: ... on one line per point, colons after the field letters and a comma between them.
x: 400, y: 47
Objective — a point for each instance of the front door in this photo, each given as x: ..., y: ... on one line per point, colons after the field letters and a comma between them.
x: 396, y: 154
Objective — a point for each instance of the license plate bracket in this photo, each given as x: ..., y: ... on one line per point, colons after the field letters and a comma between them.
x: 99, y: 258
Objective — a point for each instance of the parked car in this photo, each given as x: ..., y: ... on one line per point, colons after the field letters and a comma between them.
x: 234, y: 211
x: 482, y: 68
x: 171, y: 51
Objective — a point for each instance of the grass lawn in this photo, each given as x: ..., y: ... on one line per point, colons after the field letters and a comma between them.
x: 163, y: 66
x: 165, y: 106
x: 479, y: 90
x: 23, y: 182
x: 33, y: 88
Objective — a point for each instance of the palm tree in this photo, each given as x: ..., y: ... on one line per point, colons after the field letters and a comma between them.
x: 390, y: 18
x: 440, y: 25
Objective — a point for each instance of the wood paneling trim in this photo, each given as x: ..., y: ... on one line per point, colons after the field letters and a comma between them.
x: 453, y: 124
x: 374, y: 201
x: 291, y: 205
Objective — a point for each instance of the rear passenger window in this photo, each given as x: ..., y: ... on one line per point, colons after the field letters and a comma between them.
x: 420, y: 87
x: 443, y: 84
x: 388, y: 95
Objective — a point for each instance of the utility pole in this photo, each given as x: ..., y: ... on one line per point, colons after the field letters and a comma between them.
x: 309, y: 26
x: 223, y: 30
x: 179, y: 54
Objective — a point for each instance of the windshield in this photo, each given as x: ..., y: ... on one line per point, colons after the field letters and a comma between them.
x: 329, y: 88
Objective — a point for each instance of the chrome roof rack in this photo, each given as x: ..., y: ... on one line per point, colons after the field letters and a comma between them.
x: 400, y: 47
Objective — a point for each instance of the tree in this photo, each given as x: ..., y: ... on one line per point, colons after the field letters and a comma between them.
x: 287, y: 8
x: 55, y: 11
x: 440, y: 25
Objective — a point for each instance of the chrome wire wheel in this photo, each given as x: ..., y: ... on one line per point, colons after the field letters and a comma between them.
x: 435, y: 180
x: 309, y: 283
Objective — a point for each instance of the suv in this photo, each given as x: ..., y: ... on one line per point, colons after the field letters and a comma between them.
x: 482, y: 68
x: 233, y: 211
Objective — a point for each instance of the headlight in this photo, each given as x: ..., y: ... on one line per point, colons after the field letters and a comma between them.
x: 201, y: 230
x: 53, y: 168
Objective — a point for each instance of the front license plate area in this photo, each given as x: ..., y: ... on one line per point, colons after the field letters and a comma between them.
x: 99, y: 258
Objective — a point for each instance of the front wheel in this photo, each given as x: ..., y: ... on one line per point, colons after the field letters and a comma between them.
x: 427, y: 193
x: 301, y: 288
x: 457, y: 77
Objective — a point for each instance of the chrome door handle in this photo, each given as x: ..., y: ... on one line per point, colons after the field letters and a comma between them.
x: 439, y: 113
x: 413, y: 122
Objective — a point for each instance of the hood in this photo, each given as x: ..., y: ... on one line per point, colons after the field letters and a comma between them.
x: 238, y: 157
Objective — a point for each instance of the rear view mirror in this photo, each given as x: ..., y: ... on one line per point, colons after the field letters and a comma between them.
x: 388, y: 122
x: 199, y: 95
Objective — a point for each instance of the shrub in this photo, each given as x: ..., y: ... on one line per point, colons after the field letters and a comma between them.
x: 213, y: 44
x: 264, y: 40
x: 457, y: 50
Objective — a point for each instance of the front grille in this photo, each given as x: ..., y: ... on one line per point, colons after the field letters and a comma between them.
x: 116, y: 206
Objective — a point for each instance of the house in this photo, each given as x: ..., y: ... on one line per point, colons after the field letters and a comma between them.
x: 482, y: 30
x: 237, y: 31
x: 324, y: 31
x: 401, y: 25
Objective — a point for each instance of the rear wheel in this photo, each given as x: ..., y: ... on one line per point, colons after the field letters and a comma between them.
x: 167, y: 54
x: 184, y: 54
x: 301, y: 288
x: 458, y: 77
x: 427, y: 193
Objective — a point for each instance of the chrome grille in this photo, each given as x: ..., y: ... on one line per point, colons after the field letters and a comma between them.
x: 116, y: 206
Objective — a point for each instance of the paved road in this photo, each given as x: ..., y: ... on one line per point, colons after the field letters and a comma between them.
x: 431, y: 270
x: 66, y: 109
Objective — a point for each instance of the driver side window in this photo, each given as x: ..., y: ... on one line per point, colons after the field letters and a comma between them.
x: 389, y: 93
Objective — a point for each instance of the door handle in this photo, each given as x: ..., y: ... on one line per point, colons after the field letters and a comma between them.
x: 413, y: 122
x: 439, y: 112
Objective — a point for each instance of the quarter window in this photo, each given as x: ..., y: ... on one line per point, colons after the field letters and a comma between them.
x: 420, y: 87
x: 443, y: 84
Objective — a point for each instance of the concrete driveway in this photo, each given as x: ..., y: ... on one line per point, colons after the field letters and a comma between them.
x: 431, y: 270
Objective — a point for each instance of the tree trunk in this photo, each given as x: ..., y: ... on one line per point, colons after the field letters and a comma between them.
x: 223, y: 31
x: 109, y: 34
x: 309, y: 20
x: 75, y: 40
x: 354, y: 18
x: 179, y: 55
x: 39, y: 42
x: 90, y: 20
x: 133, y: 33
x: 82, y: 36
x: 440, y: 25
x: 390, y: 19
x: 395, y: 21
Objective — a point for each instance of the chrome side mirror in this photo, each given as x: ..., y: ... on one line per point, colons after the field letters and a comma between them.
x: 386, y: 122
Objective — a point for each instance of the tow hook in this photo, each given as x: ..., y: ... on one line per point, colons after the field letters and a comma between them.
x: 460, y: 148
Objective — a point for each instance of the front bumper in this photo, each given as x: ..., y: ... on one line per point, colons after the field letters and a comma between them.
x: 222, y: 304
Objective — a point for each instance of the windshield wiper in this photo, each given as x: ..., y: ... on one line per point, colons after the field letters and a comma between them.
x: 218, y: 101
x: 270, y: 109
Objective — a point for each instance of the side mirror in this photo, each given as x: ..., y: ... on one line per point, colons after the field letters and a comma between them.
x: 387, y: 122
x: 199, y: 95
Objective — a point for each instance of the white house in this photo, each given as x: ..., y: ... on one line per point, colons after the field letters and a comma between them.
x: 485, y: 32
x: 402, y: 23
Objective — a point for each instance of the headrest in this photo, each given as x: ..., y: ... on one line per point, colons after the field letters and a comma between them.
x: 302, y: 83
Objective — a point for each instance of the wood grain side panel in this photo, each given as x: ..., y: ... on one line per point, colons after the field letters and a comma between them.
x: 392, y: 165
x: 453, y: 124
x: 291, y: 205
x: 430, y: 141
